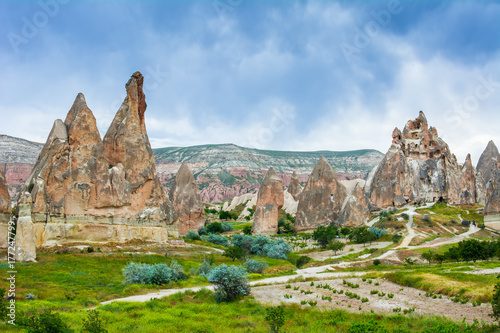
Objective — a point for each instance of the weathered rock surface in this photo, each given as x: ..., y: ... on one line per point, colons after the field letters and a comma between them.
x: 79, y: 178
x: 270, y: 199
x: 4, y: 196
x: 355, y: 209
x: 419, y: 167
x: 25, y: 249
x: 489, y: 163
x: 322, y: 198
x: 294, y: 188
x: 188, y: 209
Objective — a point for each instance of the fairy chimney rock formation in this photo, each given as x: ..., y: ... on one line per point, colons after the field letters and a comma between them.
x: 489, y: 163
x: 188, y: 209
x: 419, y: 167
x: 322, y: 198
x: 86, y: 188
x: 294, y: 188
x: 270, y: 200
x: 355, y: 209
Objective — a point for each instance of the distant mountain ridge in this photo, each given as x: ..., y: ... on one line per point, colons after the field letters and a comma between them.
x: 222, y: 171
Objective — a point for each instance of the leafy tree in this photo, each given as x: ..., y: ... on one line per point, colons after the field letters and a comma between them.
x: 471, y: 249
x: 93, y: 324
x: 234, y: 252
x: 439, y: 258
x: 275, y: 316
x: 214, y: 228
x: 453, y: 254
x: 230, y: 283
x: 345, y: 231
x: 429, y: 256
x: 376, y: 262
x: 396, y: 238
x: 218, y: 239
x: 202, y: 231
x: 335, y: 246
x: 226, y: 227
x: 361, y: 235
x: 323, y: 235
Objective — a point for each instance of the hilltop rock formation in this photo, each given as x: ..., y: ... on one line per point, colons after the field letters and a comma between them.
x: 489, y: 163
x: 294, y: 188
x: 88, y: 188
x: 188, y: 209
x: 25, y: 249
x: 270, y: 199
x: 419, y: 167
x: 322, y: 198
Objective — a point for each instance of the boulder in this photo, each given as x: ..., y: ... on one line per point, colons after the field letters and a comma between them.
x: 294, y: 188
x: 322, y: 198
x: 270, y: 199
x: 419, y: 167
x: 188, y: 209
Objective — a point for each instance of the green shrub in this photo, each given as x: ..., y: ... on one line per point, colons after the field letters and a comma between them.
x: 377, y: 232
x: 214, y: 228
x: 276, y: 318
x: 45, y: 322
x: 230, y: 282
x: 93, y: 324
x: 247, y: 230
x: 335, y: 246
x: 405, y: 216
x: 465, y: 223
x: 376, y: 262
x: 255, y: 266
x: 218, y: 239
x: 427, y: 219
x: 90, y: 249
x: 234, y: 252
x: 226, y: 227
x: 396, y: 238
x: 158, y: 274
x: 324, y: 235
x: 192, y: 235
x: 202, y: 231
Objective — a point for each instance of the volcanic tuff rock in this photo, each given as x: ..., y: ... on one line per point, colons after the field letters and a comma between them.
x: 188, y: 209
x: 489, y: 163
x: 294, y: 188
x: 270, y: 199
x: 354, y: 211
x: 25, y: 249
x: 4, y: 196
x: 419, y: 167
x: 322, y: 198
x: 80, y: 178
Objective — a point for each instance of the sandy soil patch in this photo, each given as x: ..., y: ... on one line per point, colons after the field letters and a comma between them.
x: 407, y: 298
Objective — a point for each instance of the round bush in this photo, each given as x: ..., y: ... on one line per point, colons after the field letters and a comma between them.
x: 214, y: 228
x: 226, y: 227
x: 218, y: 239
x: 230, y: 282
x: 192, y: 235
x: 255, y: 266
x: 202, y: 231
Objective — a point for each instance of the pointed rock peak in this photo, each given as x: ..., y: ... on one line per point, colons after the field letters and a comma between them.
x: 271, y: 176
x: 491, y: 147
x: 184, y: 175
x: 396, y: 136
x: 294, y: 175
x: 421, y: 117
x: 135, y: 94
x: 323, y: 169
x: 58, y: 132
x: 468, y: 159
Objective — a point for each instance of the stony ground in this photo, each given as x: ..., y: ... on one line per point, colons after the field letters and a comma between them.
x: 404, y: 298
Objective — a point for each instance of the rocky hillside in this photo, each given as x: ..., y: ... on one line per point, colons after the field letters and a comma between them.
x: 17, y: 157
x: 221, y: 171
x: 226, y: 171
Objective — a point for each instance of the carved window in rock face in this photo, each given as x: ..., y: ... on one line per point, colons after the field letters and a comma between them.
x: 331, y: 197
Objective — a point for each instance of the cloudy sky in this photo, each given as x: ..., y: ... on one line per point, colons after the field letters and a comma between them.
x: 283, y: 75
